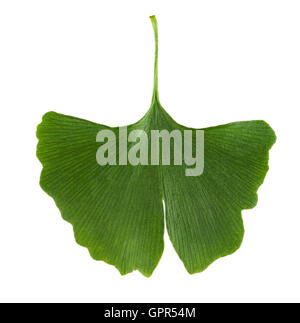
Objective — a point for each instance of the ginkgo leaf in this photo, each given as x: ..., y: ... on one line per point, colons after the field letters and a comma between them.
x: 116, y: 207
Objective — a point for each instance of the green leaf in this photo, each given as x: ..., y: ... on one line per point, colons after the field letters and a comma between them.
x: 117, y: 210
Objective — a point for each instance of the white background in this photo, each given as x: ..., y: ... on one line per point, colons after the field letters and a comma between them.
x: 219, y: 61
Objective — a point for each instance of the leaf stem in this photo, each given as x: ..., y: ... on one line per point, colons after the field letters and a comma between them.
x: 155, y: 97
